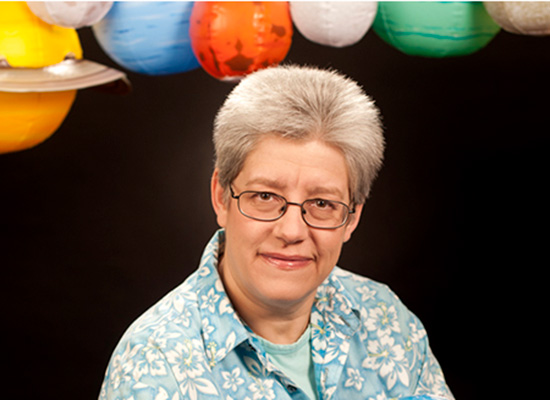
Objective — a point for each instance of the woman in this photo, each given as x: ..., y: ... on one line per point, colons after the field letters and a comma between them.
x: 268, y: 314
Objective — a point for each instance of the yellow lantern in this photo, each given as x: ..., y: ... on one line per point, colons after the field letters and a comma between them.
x: 27, y: 41
x: 27, y: 119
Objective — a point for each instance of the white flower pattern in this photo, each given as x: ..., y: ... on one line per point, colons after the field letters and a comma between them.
x: 232, y: 380
x: 354, y: 379
x: 389, y: 359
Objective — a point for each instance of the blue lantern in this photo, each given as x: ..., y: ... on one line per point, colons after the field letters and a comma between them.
x: 148, y: 37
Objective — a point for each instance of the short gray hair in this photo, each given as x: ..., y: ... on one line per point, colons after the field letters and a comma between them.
x: 301, y: 103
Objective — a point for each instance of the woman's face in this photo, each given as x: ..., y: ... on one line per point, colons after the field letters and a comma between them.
x: 279, y: 264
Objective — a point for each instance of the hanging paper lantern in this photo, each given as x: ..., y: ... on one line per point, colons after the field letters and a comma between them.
x: 521, y: 17
x: 148, y: 37
x: 37, y: 82
x: 333, y: 23
x: 27, y: 41
x: 435, y: 29
x: 28, y: 119
x: 70, y: 14
x: 232, y: 39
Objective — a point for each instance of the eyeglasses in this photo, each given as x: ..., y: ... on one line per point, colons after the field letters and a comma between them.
x: 317, y: 213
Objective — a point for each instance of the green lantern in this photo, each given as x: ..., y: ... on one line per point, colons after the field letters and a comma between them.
x: 435, y: 29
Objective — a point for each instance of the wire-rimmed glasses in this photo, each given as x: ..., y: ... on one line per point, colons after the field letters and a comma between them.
x: 317, y: 213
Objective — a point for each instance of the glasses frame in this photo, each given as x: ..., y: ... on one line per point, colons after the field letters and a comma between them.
x: 350, y: 210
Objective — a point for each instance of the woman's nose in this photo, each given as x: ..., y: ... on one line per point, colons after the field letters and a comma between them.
x: 291, y: 227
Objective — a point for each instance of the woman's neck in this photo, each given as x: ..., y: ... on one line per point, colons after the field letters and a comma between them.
x: 278, y: 322
x: 277, y: 328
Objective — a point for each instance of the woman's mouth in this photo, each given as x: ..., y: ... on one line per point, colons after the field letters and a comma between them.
x: 285, y: 261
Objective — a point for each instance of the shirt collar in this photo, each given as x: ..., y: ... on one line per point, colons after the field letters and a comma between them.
x: 336, y: 306
x: 216, y: 309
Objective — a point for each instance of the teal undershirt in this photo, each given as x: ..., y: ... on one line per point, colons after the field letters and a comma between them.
x: 295, y: 361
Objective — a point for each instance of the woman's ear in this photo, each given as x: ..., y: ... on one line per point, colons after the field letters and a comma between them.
x: 353, y: 222
x: 219, y: 200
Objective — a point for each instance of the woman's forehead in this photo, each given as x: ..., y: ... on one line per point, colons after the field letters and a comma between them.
x: 281, y: 164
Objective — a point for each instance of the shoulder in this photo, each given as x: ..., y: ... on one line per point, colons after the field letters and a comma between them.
x: 371, y: 298
x: 360, y: 289
x: 142, y: 357
x: 173, y: 317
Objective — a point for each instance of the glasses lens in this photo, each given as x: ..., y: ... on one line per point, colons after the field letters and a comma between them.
x: 325, y: 213
x: 262, y: 205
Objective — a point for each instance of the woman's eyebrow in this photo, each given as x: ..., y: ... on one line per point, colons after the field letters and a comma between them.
x: 269, y: 182
x: 278, y: 185
x: 326, y: 190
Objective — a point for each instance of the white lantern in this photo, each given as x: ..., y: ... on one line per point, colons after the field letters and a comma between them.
x: 333, y: 23
x: 70, y: 14
x: 521, y: 17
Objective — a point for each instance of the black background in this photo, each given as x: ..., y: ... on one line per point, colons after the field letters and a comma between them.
x: 113, y: 211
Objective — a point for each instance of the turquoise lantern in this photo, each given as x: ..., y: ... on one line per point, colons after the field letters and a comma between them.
x: 435, y: 29
x: 148, y: 37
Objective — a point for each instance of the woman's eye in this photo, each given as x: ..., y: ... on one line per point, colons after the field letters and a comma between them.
x: 320, y: 203
x: 265, y: 196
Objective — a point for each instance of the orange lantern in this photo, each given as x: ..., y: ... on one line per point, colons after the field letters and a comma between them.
x: 233, y: 39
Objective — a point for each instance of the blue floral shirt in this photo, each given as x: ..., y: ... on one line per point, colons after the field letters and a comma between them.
x: 192, y: 345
